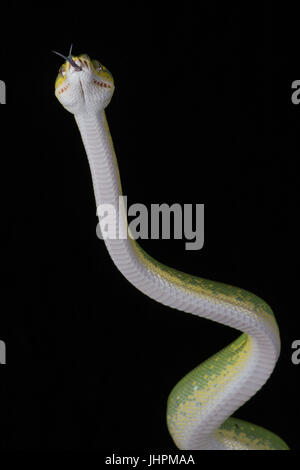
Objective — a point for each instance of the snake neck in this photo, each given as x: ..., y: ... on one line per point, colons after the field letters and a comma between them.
x: 196, y: 409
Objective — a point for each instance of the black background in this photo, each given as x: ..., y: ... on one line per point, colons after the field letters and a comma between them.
x: 202, y: 113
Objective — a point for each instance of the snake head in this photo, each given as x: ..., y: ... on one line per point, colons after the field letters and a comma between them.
x: 83, y: 85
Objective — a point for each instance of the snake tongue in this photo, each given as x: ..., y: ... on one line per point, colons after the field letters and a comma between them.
x: 73, y: 63
x: 69, y: 59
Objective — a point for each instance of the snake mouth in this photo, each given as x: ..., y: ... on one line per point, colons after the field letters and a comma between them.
x: 76, y: 67
x: 99, y: 83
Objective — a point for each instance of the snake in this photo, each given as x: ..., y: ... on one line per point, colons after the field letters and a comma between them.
x: 201, y: 405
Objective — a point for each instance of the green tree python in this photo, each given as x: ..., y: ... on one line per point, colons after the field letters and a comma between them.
x: 200, y: 405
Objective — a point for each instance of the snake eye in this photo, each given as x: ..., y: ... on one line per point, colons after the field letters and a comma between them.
x: 98, y: 67
x: 62, y: 70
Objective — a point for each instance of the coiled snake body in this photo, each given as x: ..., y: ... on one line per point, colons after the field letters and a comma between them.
x: 200, y: 405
